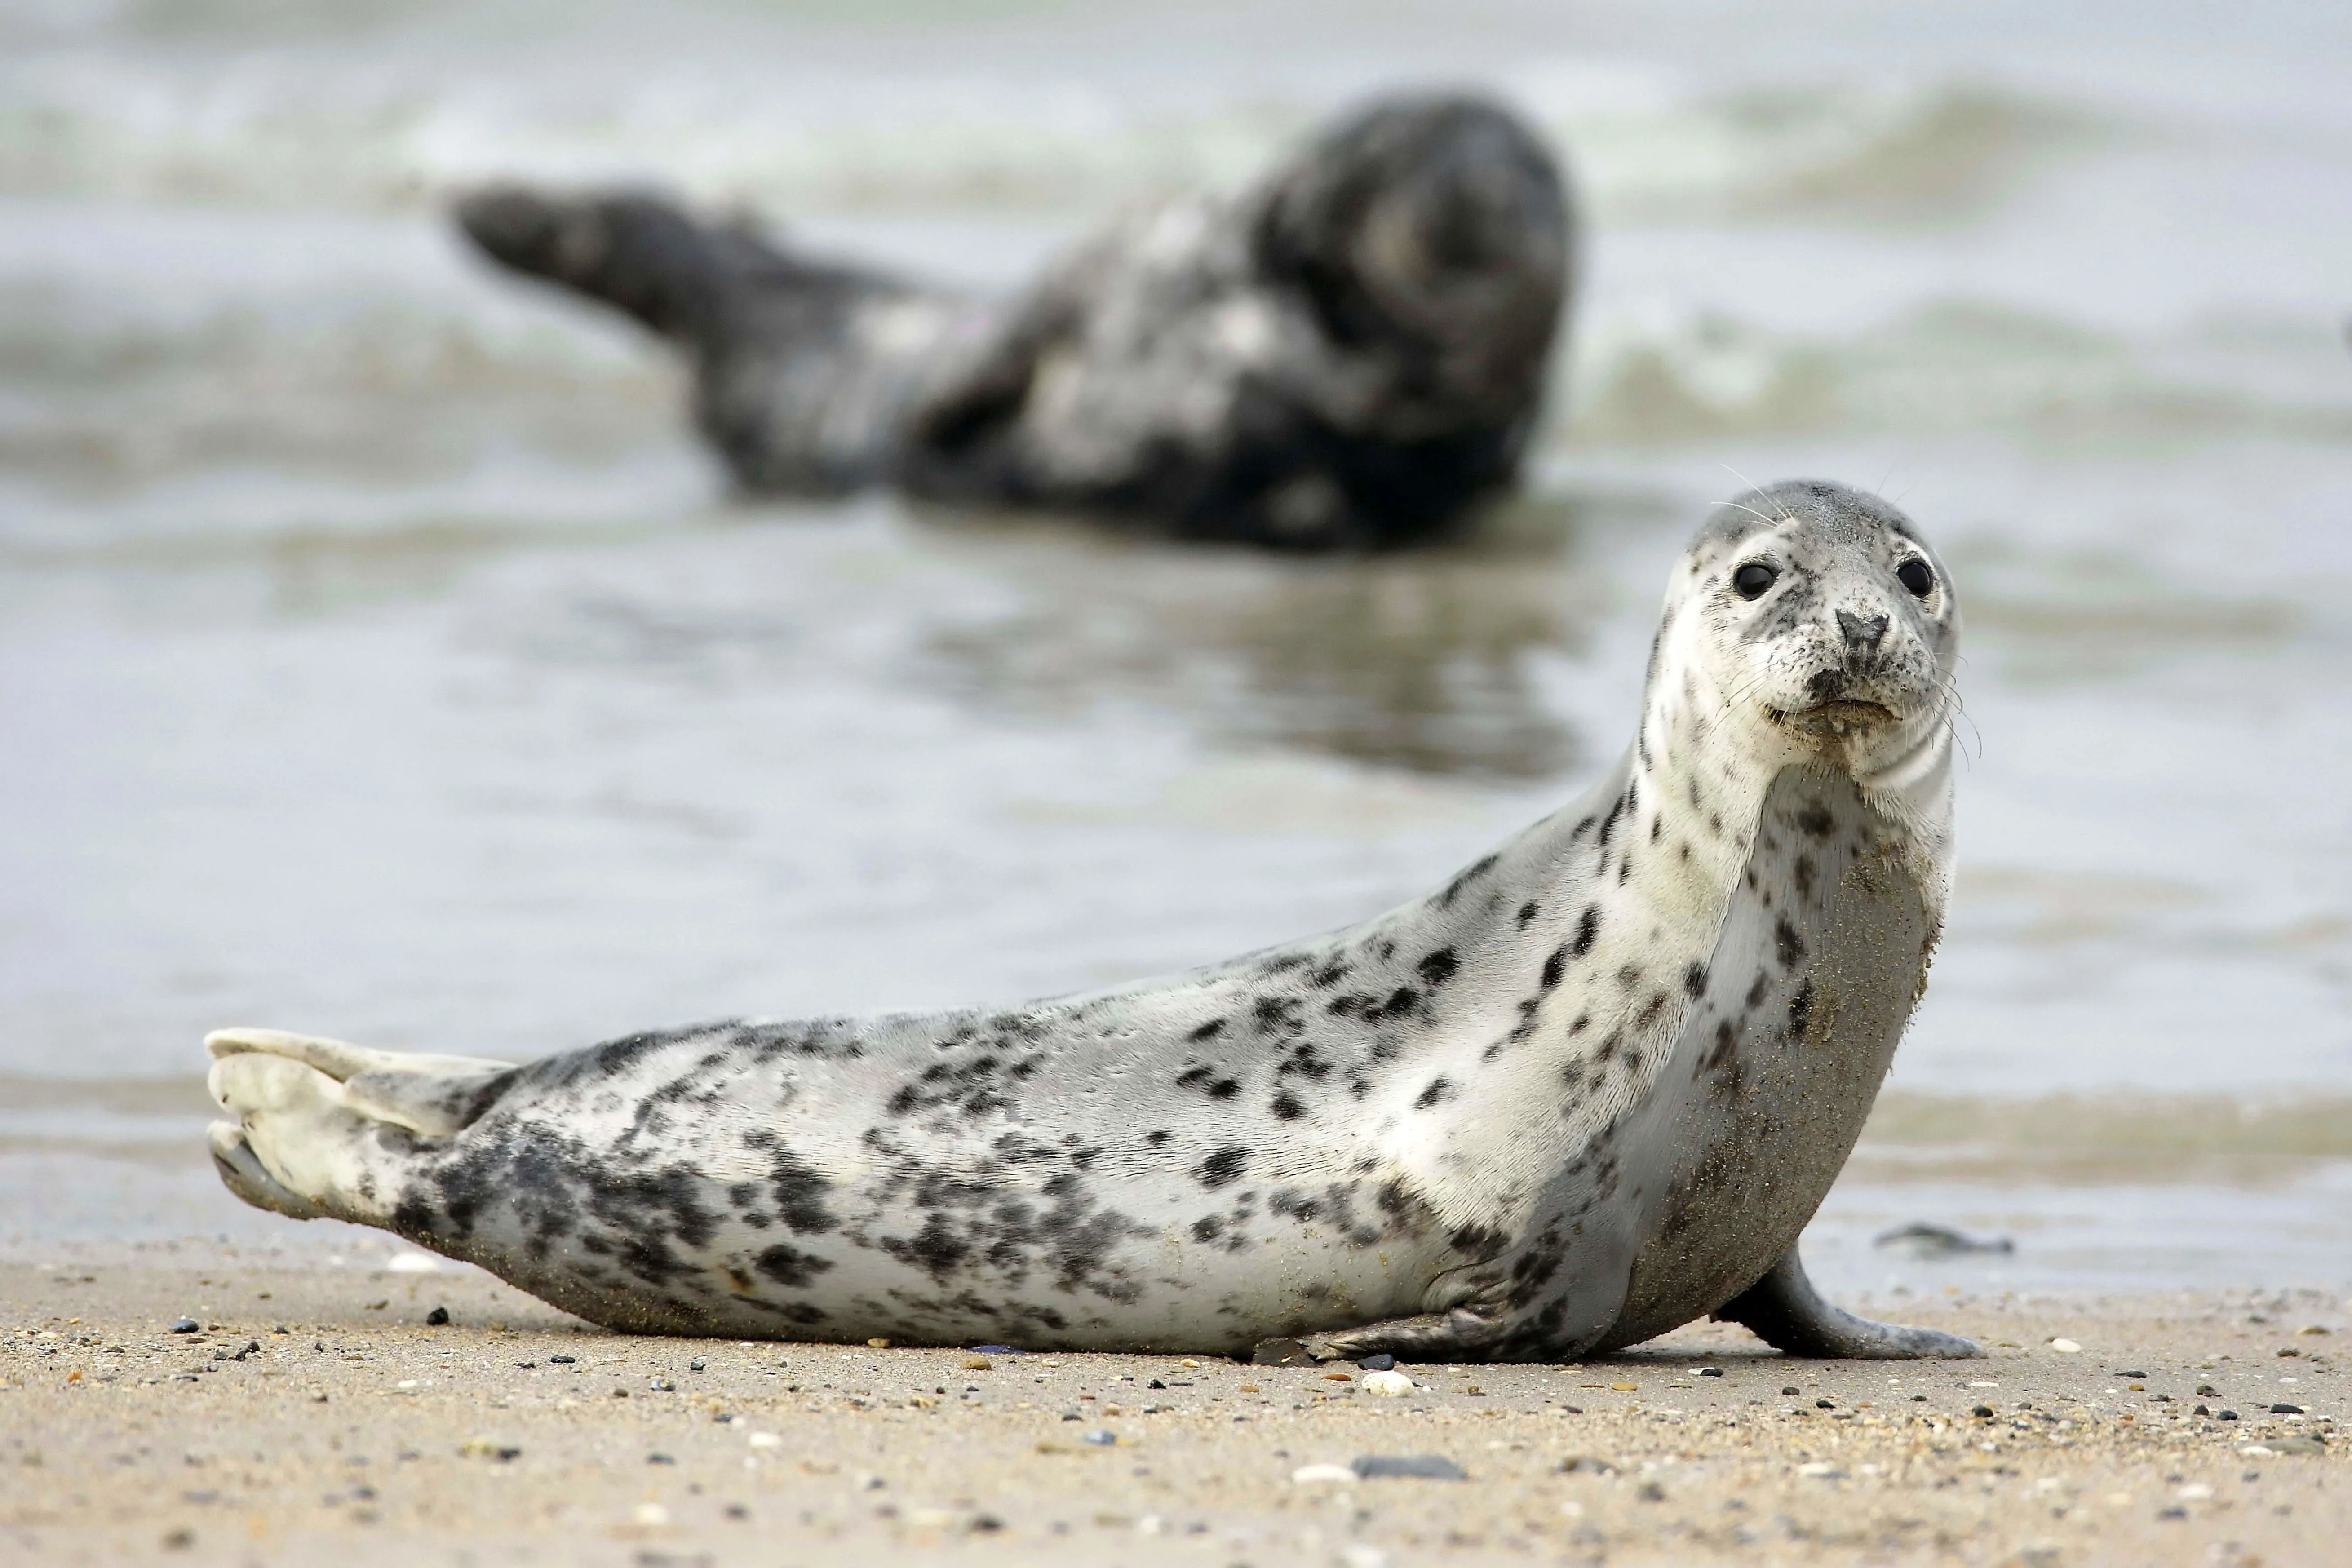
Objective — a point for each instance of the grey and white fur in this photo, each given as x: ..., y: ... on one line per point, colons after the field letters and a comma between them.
x: 1348, y: 353
x: 1589, y: 1090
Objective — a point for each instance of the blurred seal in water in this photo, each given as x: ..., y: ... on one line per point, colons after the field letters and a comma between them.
x: 1590, y: 1089
x: 1345, y: 354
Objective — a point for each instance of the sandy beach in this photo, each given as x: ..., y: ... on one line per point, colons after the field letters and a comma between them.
x: 319, y: 1413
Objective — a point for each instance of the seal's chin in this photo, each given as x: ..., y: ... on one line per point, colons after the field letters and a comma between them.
x: 1841, y: 720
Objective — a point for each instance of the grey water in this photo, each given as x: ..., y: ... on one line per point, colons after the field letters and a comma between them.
x: 379, y: 657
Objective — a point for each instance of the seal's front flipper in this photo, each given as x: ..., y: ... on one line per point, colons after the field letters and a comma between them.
x: 1458, y: 1335
x: 1785, y: 1311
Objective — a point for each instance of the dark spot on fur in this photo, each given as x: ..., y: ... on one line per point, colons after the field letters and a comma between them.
x: 1287, y: 1106
x: 1438, y: 967
x: 790, y: 1266
x: 1437, y: 1093
x: 1695, y: 981
x: 1787, y: 945
x: 1588, y: 930
x: 1222, y: 1168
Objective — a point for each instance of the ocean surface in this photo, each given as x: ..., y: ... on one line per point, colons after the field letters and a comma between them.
x: 380, y: 656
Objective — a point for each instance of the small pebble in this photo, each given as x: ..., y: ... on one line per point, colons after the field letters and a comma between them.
x: 981, y: 1363
x: 1388, y: 1385
x: 1421, y: 1466
x: 186, y: 1326
x: 437, y: 1317
x: 1100, y: 1438
x: 2225, y: 1415
x: 1984, y: 1411
x: 1377, y: 1363
x: 2286, y: 1410
x: 559, y: 1360
x: 2280, y: 1447
x: 878, y: 1345
x: 1308, y: 1475
x: 1791, y: 1391
x: 694, y: 1366
x: 1710, y: 1372
x: 2065, y: 1347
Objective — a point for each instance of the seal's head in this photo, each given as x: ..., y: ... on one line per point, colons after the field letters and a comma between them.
x: 1828, y: 625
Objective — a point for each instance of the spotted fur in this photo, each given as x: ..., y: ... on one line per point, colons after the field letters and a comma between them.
x: 1590, y: 1089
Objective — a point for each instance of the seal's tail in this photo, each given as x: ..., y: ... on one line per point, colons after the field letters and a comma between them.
x: 324, y: 1128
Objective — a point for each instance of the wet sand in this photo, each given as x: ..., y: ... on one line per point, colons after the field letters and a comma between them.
x: 316, y: 1414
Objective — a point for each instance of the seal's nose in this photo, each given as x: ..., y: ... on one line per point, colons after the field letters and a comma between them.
x: 1860, y: 636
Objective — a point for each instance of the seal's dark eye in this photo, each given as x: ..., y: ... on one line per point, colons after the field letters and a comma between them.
x: 1915, y: 576
x: 1752, y: 579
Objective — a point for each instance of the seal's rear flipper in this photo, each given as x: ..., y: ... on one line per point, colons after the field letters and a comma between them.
x: 1785, y: 1311
x: 635, y: 252
x: 326, y: 1129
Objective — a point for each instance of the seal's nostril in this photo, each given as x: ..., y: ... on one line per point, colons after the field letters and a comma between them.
x: 1860, y: 633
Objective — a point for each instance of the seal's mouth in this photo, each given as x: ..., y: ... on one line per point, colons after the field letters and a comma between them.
x: 1837, y: 719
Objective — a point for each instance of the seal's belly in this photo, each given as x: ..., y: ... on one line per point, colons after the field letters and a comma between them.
x: 1822, y: 953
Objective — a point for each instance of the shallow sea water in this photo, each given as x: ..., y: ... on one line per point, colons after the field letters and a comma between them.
x: 379, y: 656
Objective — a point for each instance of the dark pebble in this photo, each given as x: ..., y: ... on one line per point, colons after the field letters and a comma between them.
x: 2127, y: 1374
x: 1983, y: 1410
x: 1155, y: 1383
x: 1710, y: 1372
x: 437, y: 1317
x: 1280, y: 1353
x: 559, y: 1360
x: 1791, y: 1391
x: 1425, y: 1467
x: 2174, y: 1513
x: 186, y: 1326
x: 986, y: 1524
x: 659, y: 1459
x: 2207, y: 1390
x: 694, y: 1366
x: 2286, y: 1410
x: 1377, y: 1363
x: 2202, y: 1410
x: 1650, y: 1492
x: 1832, y: 1404
x: 2226, y: 1414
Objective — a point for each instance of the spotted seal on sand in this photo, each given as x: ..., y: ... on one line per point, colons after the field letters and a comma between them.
x: 1590, y: 1089
x: 1345, y: 353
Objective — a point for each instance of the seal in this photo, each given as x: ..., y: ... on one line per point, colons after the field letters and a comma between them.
x: 1349, y: 352
x: 1590, y: 1089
